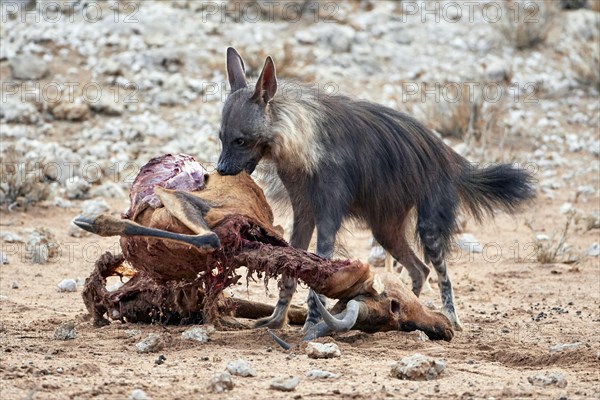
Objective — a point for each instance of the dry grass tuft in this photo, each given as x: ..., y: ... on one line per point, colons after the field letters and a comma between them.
x: 22, y: 179
x: 584, y: 58
x: 553, y: 249
x: 526, y: 24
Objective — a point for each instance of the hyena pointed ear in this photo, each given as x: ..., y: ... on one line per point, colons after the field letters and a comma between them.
x: 266, y: 86
x: 236, y: 70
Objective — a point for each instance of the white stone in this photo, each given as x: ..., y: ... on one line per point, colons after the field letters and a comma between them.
x: 240, y: 367
x: 321, y: 374
x: 67, y: 285
x: 593, y: 250
x: 287, y: 384
x: 418, y: 368
x: 565, y: 346
x: 77, y: 188
x: 138, y: 394
x: 467, y: 241
x: 322, y: 350
x: 221, y: 382
x: 552, y: 379
x: 199, y: 334
x: 153, y: 342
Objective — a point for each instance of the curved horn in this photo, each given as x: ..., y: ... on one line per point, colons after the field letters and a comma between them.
x: 352, y: 312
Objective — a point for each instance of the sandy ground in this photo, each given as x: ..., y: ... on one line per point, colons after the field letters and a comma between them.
x: 513, y: 310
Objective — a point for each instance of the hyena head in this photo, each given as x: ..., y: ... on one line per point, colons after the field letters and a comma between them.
x: 245, y: 124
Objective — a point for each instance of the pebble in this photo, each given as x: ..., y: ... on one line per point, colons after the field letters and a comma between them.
x: 94, y: 208
x: 565, y: 346
x: 10, y: 237
x: 467, y: 241
x: 20, y: 112
x: 77, y: 188
x: 377, y: 256
x: 14, y: 285
x: 71, y: 111
x: 418, y: 368
x: 108, y: 190
x: 153, y: 342
x: 551, y: 379
x: 28, y: 67
x: 199, y: 334
x: 41, y: 246
x: 322, y: 350
x: 3, y: 258
x: 593, y: 250
x: 67, y: 285
x: 132, y: 333
x: 65, y: 331
x: 321, y: 374
x: 565, y: 208
x: 138, y: 394
x: 287, y: 384
x: 221, y: 382
x: 240, y: 367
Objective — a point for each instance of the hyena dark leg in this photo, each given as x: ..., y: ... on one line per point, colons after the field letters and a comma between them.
x: 435, y: 225
x: 304, y: 226
x: 392, y: 237
x: 328, y: 224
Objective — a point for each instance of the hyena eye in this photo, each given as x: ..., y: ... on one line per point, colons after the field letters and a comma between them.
x: 239, y: 141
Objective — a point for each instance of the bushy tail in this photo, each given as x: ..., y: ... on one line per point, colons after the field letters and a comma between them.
x: 500, y: 186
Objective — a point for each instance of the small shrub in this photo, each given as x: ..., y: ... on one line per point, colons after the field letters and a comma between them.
x: 526, y: 24
x: 22, y: 179
x: 553, y: 249
x: 585, y: 61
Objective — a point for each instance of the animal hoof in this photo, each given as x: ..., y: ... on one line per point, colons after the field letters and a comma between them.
x: 270, y: 322
x: 308, y: 328
x: 86, y: 224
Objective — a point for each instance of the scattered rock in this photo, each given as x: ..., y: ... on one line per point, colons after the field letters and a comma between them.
x: 565, y: 346
x: 3, y: 258
x: 240, y: 367
x: 552, y: 379
x: 109, y: 190
x: 15, y: 111
x: 77, y: 188
x: 65, y: 331
x: 67, y: 285
x: 285, y: 384
x: 107, y: 105
x: 593, y: 250
x: 138, y: 394
x: 418, y: 368
x: 10, y: 237
x: 592, y: 221
x: 566, y: 208
x: 321, y: 374
x: 28, y: 67
x: 14, y: 285
x: 41, y: 246
x: 468, y: 242
x: 377, y: 256
x: 153, y: 342
x: 160, y: 360
x: 221, y: 382
x: 132, y: 333
x: 322, y: 350
x: 94, y: 208
x: 199, y: 334
x: 71, y: 111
